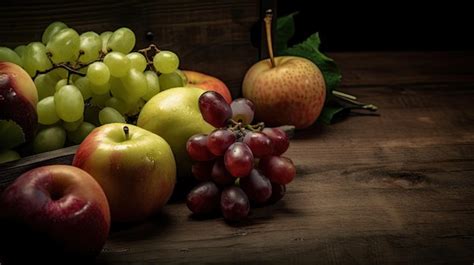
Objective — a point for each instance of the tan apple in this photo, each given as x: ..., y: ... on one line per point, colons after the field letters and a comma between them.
x: 291, y: 92
x: 285, y: 90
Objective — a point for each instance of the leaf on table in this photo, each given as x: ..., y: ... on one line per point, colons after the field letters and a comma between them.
x: 333, y: 113
x: 11, y: 134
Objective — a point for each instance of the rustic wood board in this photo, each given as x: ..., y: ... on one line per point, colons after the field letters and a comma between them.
x: 391, y: 189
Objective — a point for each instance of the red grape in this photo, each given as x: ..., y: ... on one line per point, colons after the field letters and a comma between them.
x: 257, y: 187
x: 214, y: 109
x: 278, y: 191
x: 243, y: 110
x: 278, y: 169
x: 259, y: 143
x: 234, y: 204
x: 238, y: 160
x: 279, y: 140
x: 202, y: 170
x: 204, y: 198
x: 220, y: 175
x: 219, y: 140
x: 197, y: 148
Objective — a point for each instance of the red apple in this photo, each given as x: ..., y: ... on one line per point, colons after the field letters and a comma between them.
x: 135, y: 167
x: 207, y: 82
x: 54, y: 210
x: 18, y: 99
x: 290, y: 92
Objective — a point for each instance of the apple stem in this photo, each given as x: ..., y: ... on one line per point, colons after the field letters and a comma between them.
x: 126, y: 132
x: 268, y: 31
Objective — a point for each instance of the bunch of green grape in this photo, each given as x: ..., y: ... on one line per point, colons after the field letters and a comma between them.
x: 89, y: 79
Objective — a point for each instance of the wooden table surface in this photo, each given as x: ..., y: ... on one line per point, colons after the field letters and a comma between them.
x: 391, y: 189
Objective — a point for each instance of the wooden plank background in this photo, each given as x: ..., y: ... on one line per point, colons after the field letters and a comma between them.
x: 212, y: 37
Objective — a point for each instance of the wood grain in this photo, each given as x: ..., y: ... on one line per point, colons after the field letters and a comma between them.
x: 210, y: 36
x: 397, y: 188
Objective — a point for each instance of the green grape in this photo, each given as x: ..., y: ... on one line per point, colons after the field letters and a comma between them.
x: 64, y: 46
x: 60, y: 84
x: 166, y: 62
x: 49, y: 139
x: 8, y: 156
x: 45, y: 85
x: 105, y: 36
x: 118, y: 63
x: 99, y: 90
x: 46, y: 110
x: 122, y: 40
x: 51, y: 30
x: 137, y: 61
x: 80, y: 133
x: 170, y: 80
x: 99, y: 100
x: 98, y: 73
x: 59, y: 73
x: 153, y: 85
x: 72, y: 126
x: 117, y: 89
x: 35, y: 58
x: 82, y: 83
x: 183, y: 76
x: 91, y: 114
x: 135, y: 84
x: 135, y: 107
x: 91, y: 45
x: 20, y: 50
x: 117, y: 104
x: 110, y: 115
x: 8, y: 55
x: 69, y: 103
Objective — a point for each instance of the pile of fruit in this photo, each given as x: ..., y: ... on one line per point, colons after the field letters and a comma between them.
x: 136, y: 140
x: 237, y: 163
x: 82, y: 81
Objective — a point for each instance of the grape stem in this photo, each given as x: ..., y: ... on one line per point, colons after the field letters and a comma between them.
x: 61, y: 65
x: 239, y: 126
x: 144, y: 51
x: 72, y: 69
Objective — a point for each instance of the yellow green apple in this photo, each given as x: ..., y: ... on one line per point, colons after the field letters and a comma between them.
x: 135, y: 167
x: 174, y: 115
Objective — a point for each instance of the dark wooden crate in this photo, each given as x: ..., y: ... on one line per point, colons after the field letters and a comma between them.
x: 213, y: 37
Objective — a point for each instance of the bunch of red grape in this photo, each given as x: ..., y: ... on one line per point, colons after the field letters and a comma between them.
x: 238, y: 163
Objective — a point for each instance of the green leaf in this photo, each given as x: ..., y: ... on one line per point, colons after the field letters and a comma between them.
x: 333, y: 113
x: 11, y: 134
x: 309, y: 49
x: 285, y: 29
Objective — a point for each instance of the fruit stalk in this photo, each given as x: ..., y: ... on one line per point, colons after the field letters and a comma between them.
x: 126, y: 131
x: 268, y: 32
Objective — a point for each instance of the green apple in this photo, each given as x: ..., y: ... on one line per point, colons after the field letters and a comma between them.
x: 174, y: 115
x: 135, y: 168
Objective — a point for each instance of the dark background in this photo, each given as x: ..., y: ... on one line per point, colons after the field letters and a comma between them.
x: 383, y: 26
